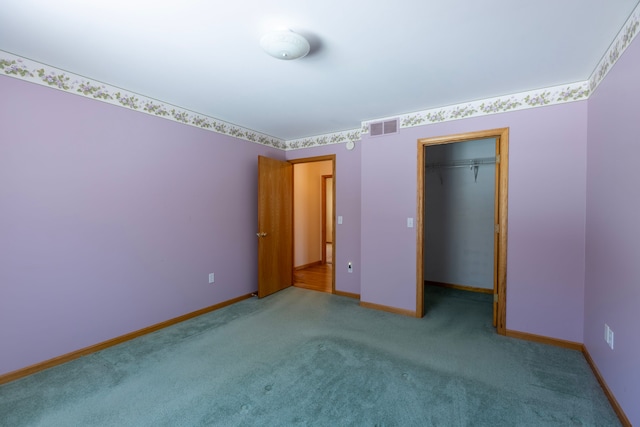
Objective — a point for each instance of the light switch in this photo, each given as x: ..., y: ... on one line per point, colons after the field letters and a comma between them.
x: 409, y: 222
x: 339, y: 219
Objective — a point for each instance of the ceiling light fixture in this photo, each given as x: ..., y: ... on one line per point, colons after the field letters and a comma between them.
x: 285, y: 45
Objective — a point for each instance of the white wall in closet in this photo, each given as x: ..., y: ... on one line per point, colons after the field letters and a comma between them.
x: 459, y: 215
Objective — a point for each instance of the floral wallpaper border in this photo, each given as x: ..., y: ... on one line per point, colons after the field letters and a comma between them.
x: 25, y: 69
x: 326, y: 139
x: 532, y: 99
x: 624, y: 38
x: 519, y: 101
x: 15, y: 66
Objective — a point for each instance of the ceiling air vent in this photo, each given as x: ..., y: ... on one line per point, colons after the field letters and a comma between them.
x: 383, y: 128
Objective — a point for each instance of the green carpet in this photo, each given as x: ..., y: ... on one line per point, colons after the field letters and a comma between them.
x: 306, y: 358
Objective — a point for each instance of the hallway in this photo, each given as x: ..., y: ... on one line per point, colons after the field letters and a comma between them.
x: 315, y: 278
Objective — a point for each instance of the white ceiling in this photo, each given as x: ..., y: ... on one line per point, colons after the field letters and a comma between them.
x: 368, y: 59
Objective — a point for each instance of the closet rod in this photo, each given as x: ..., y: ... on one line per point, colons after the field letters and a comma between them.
x: 461, y: 163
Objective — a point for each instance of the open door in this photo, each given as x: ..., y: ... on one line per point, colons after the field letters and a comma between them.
x: 275, y: 225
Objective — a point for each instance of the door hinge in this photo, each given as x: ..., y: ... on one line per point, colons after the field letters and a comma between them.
x: 497, y: 228
x: 497, y: 158
x: 495, y: 297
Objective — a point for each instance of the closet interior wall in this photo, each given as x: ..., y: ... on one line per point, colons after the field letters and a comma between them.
x: 459, y: 213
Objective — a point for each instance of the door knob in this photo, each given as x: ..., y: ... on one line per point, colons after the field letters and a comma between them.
x: 263, y: 234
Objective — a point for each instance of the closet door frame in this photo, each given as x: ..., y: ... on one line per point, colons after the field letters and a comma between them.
x: 500, y: 237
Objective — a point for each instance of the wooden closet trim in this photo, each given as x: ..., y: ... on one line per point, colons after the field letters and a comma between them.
x: 500, y: 252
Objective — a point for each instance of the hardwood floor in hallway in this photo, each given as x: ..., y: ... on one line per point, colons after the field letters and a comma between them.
x: 316, y: 278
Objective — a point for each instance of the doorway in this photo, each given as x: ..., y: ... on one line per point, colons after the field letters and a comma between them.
x: 437, y: 157
x: 314, y: 206
x: 276, y: 224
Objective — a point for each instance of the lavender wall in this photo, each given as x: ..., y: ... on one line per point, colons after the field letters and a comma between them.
x: 111, y: 220
x: 545, y: 259
x: 109, y: 211
x: 612, y: 290
x: 347, y: 244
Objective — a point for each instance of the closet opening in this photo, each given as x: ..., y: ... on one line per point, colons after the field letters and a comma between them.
x: 461, y: 221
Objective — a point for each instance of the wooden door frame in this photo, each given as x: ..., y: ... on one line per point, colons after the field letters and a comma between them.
x: 332, y: 158
x: 324, y: 216
x: 500, y: 248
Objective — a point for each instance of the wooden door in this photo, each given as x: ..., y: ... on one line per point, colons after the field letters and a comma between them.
x: 275, y: 225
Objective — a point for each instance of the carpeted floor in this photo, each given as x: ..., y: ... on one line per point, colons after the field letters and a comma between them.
x: 307, y: 358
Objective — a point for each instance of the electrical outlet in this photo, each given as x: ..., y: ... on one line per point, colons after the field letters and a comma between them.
x: 211, y: 278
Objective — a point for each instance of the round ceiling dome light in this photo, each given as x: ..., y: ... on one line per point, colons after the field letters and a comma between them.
x: 285, y: 45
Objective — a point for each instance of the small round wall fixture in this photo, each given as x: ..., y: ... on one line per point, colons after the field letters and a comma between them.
x: 350, y: 145
x: 285, y: 45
